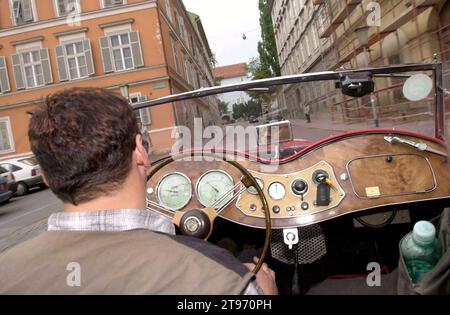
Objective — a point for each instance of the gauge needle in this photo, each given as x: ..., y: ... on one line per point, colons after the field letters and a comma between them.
x: 213, y: 187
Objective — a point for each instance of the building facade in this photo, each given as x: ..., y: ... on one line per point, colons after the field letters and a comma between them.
x: 318, y: 35
x: 232, y: 74
x: 154, y: 47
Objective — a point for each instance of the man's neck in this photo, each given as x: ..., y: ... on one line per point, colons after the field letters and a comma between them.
x: 131, y: 196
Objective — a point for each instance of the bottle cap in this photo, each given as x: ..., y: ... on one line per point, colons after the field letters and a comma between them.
x: 424, y: 232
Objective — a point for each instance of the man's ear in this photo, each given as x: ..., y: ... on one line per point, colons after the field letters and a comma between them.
x: 44, y: 177
x: 141, y: 153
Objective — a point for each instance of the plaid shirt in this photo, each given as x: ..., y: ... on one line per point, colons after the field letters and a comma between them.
x: 121, y: 221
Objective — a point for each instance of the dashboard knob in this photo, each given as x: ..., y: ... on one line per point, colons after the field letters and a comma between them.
x: 299, y: 187
x: 276, y: 209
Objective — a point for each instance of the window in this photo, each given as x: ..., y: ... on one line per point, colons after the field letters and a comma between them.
x: 175, y: 54
x: 186, y: 68
x: 121, y: 51
x: 32, y: 68
x: 74, y: 60
x: 6, y: 140
x: 143, y: 115
x: 181, y: 27
x: 11, y: 167
x: 169, y: 10
x: 66, y: 6
x: 4, y: 79
x: 111, y: 3
x: 22, y: 11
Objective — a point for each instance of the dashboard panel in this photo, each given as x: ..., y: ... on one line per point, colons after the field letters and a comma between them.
x: 348, y: 174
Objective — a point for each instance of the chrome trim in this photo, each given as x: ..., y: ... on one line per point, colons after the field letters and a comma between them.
x: 158, y: 188
x: 290, y: 79
x: 201, y: 178
x: 391, y: 195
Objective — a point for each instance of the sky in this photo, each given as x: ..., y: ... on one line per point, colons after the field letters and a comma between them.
x: 225, y: 22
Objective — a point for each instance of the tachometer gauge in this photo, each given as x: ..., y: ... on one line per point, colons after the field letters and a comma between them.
x: 253, y: 190
x: 214, y: 185
x: 277, y: 191
x: 174, y: 191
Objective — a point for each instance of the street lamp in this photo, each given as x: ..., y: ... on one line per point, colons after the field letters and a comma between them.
x: 362, y: 34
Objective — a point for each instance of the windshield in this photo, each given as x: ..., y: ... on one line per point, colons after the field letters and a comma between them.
x: 288, y: 118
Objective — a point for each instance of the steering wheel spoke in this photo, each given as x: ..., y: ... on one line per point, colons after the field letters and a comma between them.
x: 200, y: 222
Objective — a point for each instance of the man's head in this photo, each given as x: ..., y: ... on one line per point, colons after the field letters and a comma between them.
x: 85, y: 141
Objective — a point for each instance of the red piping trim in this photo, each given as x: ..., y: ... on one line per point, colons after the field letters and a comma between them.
x: 318, y: 143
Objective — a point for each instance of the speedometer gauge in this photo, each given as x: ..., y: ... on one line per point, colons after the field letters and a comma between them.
x: 215, y: 185
x: 174, y: 191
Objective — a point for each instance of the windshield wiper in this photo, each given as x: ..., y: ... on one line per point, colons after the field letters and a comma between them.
x: 418, y: 145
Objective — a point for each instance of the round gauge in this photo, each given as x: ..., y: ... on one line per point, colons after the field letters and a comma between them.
x: 214, y: 185
x: 174, y: 191
x: 277, y: 191
x: 253, y: 190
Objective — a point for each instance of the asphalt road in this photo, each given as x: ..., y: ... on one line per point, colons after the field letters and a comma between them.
x: 24, y: 217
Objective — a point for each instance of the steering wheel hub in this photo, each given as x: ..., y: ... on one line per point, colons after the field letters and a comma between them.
x: 195, y: 223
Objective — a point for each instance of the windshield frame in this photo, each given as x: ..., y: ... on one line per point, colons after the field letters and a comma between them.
x: 435, y: 67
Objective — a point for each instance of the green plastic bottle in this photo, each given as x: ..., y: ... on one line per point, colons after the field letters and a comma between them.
x: 421, y: 250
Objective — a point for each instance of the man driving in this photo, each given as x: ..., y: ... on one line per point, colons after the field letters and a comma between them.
x: 88, y: 144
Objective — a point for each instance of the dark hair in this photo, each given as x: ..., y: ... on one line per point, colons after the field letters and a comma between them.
x: 84, y: 138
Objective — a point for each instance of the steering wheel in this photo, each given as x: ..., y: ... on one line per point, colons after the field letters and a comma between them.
x: 200, y: 222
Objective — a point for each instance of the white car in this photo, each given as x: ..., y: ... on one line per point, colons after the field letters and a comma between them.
x: 27, y: 173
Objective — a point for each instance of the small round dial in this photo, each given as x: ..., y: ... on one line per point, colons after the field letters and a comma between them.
x: 174, y: 191
x: 253, y: 190
x: 277, y: 191
x: 215, y: 185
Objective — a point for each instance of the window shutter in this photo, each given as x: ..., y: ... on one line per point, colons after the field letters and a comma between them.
x: 46, y: 67
x: 4, y: 81
x: 18, y: 72
x: 88, y: 55
x: 27, y: 10
x: 61, y: 61
x: 144, y: 113
x: 136, y: 49
x: 106, y: 55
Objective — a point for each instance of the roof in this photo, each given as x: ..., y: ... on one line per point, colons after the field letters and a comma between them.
x: 231, y: 71
x: 198, y: 26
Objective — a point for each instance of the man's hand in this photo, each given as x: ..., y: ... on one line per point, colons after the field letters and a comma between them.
x: 265, y: 277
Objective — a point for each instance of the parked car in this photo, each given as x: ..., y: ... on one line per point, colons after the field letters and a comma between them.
x: 253, y: 119
x: 10, y: 179
x: 27, y: 173
x: 5, y: 193
x: 273, y: 119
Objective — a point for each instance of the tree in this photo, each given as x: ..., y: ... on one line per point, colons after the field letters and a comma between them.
x: 223, y: 107
x: 267, y: 48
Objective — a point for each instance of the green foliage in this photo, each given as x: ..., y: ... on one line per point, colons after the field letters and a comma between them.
x: 223, y: 107
x: 267, y: 49
x: 245, y: 110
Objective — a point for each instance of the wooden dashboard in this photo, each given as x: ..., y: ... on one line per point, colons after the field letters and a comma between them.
x: 362, y: 171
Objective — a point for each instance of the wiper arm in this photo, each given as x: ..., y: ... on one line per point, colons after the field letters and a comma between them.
x: 418, y: 145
